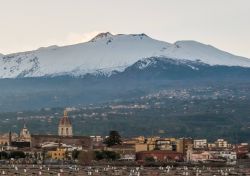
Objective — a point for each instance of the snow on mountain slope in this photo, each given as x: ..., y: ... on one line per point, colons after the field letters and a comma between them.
x: 192, y: 50
x: 106, y: 53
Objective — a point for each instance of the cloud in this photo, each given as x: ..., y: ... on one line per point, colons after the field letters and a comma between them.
x: 74, y: 38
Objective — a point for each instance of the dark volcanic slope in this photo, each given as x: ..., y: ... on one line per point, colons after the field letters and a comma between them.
x: 141, y: 78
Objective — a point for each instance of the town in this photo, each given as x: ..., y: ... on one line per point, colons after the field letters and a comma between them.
x: 40, y: 153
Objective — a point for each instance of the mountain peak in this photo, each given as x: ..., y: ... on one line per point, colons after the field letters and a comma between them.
x: 108, y: 35
x: 101, y: 36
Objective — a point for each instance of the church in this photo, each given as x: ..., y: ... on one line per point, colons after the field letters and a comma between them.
x: 65, y: 126
x: 12, y: 139
x: 64, y: 136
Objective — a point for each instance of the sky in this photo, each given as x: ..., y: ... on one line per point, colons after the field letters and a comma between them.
x: 30, y: 24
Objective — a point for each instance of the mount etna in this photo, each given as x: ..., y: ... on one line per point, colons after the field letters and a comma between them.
x: 111, y: 68
x: 116, y: 81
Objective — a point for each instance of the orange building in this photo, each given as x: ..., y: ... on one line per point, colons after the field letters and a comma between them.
x: 59, y: 154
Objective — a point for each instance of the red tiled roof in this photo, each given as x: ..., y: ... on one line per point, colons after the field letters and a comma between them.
x: 64, y: 121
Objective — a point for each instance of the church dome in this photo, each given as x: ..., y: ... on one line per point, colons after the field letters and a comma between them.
x: 64, y: 121
x: 65, y: 126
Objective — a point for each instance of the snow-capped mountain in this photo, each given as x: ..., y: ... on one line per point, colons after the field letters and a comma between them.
x: 106, y: 53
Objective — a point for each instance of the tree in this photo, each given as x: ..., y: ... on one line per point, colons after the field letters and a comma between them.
x: 99, y: 155
x: 17, y: 154
x: 36, y: 155
x: 75, y: 154
x: 107, y: 155
x: 149, y: 159
x: 43, y: 155
x: 112, y: 155
x: 113, y: 139
x: 3, y: 155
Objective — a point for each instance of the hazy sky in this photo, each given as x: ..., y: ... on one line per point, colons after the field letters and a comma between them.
x: 29, y: 24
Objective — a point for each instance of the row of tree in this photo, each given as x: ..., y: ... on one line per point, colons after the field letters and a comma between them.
x: 12, y: 154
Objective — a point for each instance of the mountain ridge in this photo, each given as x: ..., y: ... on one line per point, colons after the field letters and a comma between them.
x: 107, y: 53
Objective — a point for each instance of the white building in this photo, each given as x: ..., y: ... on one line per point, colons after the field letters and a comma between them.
x: 229, y: 156
x: 221, y: 143
x: 97, y: 138
x: 200, y: 143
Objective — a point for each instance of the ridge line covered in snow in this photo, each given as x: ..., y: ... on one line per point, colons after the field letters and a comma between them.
x: 107, y: 53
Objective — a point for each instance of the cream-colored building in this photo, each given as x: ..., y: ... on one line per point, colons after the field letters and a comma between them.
x: 221, y: 143
x: 139, y: 139
x: 145, y: 144
x: 167, y: 144
x: 144, y: 147
x: 200, y: 143
x: 182, y: 144
x: 196, y: 156
x: 211, y: 145
x: 6, y: 138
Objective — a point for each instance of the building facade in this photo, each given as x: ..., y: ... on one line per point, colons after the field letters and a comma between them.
x: 24, y: 134
x: 200, y: 144
x: 158, y: 155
